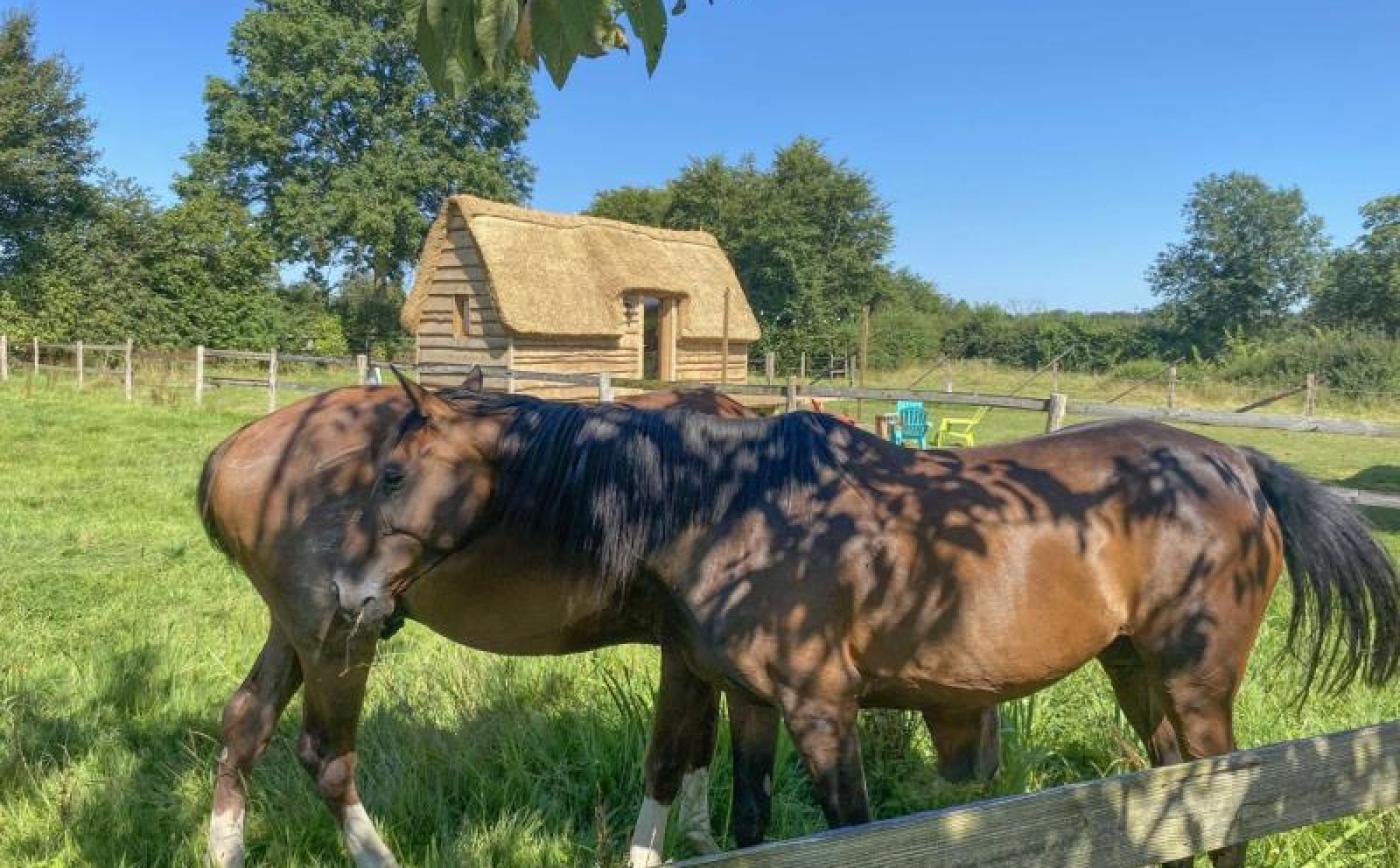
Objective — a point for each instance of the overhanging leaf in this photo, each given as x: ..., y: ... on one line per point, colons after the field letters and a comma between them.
x: 496, y: 25
x: 648, y: 20
x: 550, y: 39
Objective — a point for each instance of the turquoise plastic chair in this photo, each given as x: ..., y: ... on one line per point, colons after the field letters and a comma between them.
x: 912, y: 429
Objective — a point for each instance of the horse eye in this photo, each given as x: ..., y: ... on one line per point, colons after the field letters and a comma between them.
x: 393, y: 477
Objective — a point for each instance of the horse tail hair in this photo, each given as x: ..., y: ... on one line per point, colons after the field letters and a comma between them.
x: 201, y: 497
x: 1346, y: 593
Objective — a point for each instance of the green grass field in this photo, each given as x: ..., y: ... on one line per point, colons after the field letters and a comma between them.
x: 123, y: 633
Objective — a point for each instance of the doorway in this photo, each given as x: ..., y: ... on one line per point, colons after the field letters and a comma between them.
x: 658, y: 338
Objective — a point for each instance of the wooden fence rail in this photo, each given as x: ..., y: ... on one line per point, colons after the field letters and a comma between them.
x: 1127, y: 820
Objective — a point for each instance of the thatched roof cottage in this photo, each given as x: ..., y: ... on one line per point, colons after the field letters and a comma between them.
x: 505, y: 286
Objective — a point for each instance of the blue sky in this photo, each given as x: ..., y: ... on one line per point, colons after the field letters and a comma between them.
x: 1034, y: 153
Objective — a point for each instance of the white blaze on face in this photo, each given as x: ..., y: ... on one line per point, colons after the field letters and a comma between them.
x: 695, y: 810
x: 649, y: 836
x: 366, y: 849
x: 226, y: 839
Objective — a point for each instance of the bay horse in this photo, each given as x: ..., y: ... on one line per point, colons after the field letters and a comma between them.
x: 285, y: 498
x: 815, y: 569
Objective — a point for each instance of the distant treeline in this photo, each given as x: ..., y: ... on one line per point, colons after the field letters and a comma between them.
x: 280, y: 185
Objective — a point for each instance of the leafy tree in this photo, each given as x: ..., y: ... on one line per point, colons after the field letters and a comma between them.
x: 1363, y: 281
x: 332, y: 135
x: 1251, y: 254
x: 808, y: 236
x: 369, y: 320
x: 647, y: 206
x: 45, y: 143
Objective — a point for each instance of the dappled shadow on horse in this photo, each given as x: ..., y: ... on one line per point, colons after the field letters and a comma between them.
x: 812, y: 569
x: 285, y: 498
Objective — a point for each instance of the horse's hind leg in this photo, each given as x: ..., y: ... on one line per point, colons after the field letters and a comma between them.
x: 824, y: 731
x: 968, y: 741
x: 1196, y: 682
x: 677, y: 762
x: 1140, y: 696
x: 250, y: 717
x: 333, y: 697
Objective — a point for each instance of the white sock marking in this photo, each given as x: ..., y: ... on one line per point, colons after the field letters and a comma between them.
x: 695, y: 810
x: 649, y: 836
x: 226, y: 839
x: 366, y: 849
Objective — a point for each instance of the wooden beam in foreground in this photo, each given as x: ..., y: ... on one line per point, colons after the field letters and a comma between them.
x: 1127, y: 820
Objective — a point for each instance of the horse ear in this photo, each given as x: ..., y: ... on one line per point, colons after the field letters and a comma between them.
x: 475, y: 380
x: 428, y: 405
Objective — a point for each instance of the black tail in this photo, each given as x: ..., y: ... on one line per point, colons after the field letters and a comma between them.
x: 1346, y: 594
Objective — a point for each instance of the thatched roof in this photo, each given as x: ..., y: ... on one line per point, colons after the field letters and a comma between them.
x: 562, y: 274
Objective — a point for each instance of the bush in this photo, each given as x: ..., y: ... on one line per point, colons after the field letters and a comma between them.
x: 1346, y: 359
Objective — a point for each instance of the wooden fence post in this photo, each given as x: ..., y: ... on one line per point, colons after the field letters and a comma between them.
x: 1055, y: 376
x: 78, y: 354
x: 948, y: 377
x: 769, y: 367
x: 724, y: 343
x: 605, y: 389
x: 128, y: 376
x: 361, y: 368
x: 864, y: 342
x: 35, y: 370
x: 1055, y: 412
x: 4, y: 358
x: 199, y: 374
x: 1171, y: 388
x: 1310, y: 402
x: 272, y: 380
x: 790, y: 395
x: 802, y: 367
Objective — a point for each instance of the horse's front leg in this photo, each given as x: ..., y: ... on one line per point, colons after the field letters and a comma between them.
x: 753, y: 738
x: 677, y: 762
x: 250, y: 718
x: 334, y: 692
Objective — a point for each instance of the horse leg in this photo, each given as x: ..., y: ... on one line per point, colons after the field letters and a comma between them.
x: 825, y: 732
x: 1140, y: 697
x: 1201, y: 709
x: 753, y: 738
x: 968, y: 741
x: 677, y: 762
x: 250, y: 717
x: 334, y: 694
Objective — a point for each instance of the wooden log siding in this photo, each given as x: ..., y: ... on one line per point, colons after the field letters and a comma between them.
x: 1128, y: 820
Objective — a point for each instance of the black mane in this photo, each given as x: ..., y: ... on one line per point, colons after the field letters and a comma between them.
x: 614, y: 484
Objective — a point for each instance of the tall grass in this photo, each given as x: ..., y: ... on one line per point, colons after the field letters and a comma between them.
x: 123, y: 633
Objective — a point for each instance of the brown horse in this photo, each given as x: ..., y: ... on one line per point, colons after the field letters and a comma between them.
x: 284, y: 498
x: 816, y: 569
x: 288, y: 490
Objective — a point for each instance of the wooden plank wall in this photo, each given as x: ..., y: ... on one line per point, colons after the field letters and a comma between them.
x: 699, y: 360
x: 460, y: 273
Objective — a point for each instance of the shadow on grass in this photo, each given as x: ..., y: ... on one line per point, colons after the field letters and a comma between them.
x: 517, y: 769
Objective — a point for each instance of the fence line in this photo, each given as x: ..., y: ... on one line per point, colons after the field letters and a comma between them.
x: 1151, y: 816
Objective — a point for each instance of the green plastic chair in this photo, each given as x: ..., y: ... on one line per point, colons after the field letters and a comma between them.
x: 958, y: 431
x: 913, y: 424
